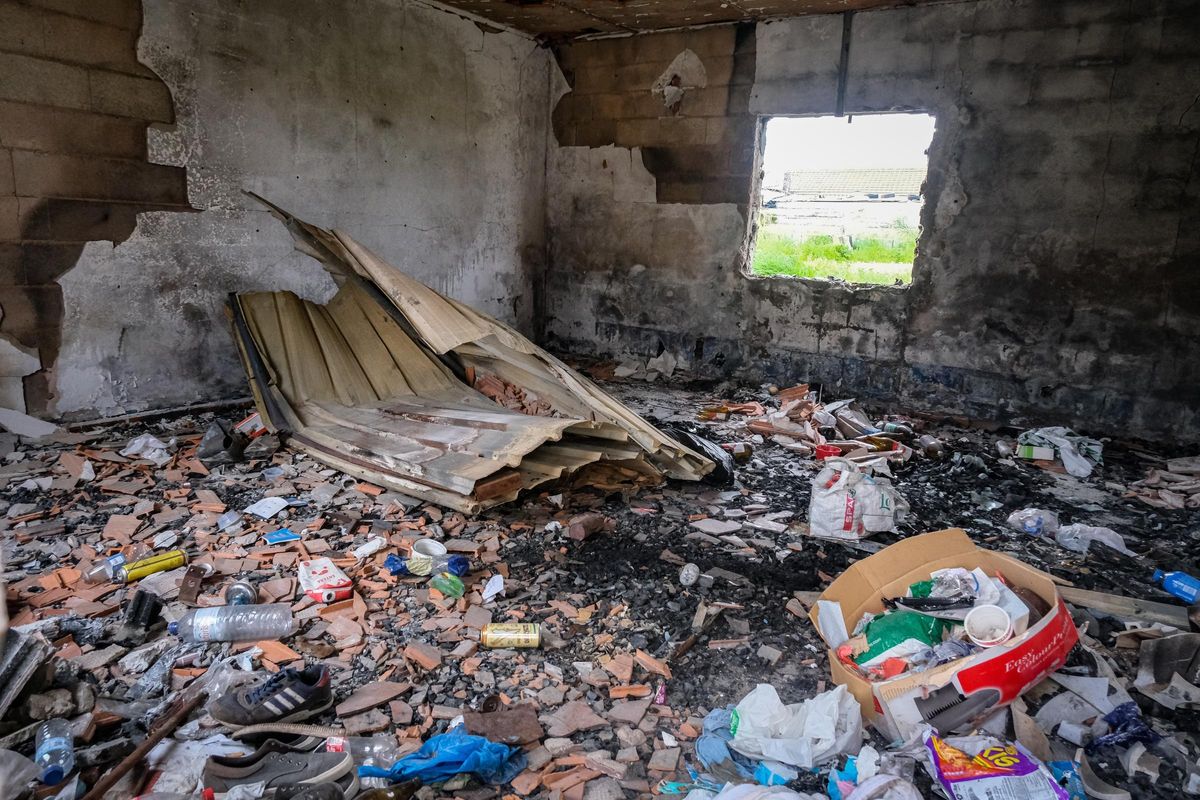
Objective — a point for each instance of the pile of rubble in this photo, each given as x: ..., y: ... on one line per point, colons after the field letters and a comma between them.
x: 589, y: 641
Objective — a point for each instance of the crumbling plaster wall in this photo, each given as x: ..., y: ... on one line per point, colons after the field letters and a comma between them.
x: 417, y: 131
x: 1056, y: 277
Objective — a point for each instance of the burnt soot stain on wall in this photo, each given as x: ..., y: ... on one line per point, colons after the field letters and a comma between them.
x: 1055, y: 278
x: 75, y: 104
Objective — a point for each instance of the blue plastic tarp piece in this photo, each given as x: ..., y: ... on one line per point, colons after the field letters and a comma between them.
x: 453, y: 753
x: 1127, y: 727
x: 712, y: 748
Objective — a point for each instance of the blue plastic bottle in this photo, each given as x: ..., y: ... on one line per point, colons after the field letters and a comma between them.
x: 1180, y: 584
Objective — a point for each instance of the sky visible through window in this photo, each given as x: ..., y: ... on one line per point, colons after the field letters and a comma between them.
x: 840, y: 197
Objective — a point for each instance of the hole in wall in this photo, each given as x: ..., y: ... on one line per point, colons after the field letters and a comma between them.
x: 840, y: 197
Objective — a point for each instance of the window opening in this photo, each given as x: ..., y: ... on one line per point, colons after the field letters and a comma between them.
x: 841, y: 197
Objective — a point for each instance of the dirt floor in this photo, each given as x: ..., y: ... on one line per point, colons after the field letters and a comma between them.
x: 625, y: 584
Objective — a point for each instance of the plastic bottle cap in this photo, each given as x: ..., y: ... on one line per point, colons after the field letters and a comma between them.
x: 53, y: 775
x: 173, y: 628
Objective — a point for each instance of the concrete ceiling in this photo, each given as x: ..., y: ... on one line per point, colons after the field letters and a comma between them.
x: 558, y: 19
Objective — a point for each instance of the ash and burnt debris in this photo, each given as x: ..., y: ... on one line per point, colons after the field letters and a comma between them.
x: 599, y: 601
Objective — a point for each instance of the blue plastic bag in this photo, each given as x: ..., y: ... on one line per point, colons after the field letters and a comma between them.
x: 453, y: 753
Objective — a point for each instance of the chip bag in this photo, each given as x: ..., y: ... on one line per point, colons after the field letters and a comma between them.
x: 985, y: 768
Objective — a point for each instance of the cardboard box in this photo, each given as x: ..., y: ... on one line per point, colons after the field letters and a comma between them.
x: 975, y: 685
x: 1036, y: 453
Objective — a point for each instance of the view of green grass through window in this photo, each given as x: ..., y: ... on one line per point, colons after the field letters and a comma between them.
x: 841, y: 197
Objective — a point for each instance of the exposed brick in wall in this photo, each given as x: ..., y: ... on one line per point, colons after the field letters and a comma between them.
x: 74, y: 108
x: 701, y: 150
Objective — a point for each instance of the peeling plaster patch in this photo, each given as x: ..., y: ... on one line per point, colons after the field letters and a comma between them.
x: 15, y: 363
x: 686, y: 72
x: 952, y: 200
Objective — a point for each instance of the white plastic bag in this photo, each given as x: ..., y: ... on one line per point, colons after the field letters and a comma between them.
x: 849, y: 504
x: 149, y: 448
x: 805, y: 734
x: 1079, y: 537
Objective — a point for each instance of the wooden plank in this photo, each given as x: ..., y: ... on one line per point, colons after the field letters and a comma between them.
x: 1131, y: 607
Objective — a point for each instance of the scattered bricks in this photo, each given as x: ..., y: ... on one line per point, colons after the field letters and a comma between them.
x: 665, y: 760
x: 54, y: 703
x: 630, y: 711
x: 558, y: 746
x: 584, y: 525
x: 538, y: 757
x: 770, y: 654
x: 370, y: 695
x: 550, y: 696
x: 574, y: 716
x: 363, y: 724
x: 402, y: 712
x: 445, y: 712
x: 796, y: 608
x: 652, y: 664
x: 427, y: 657
x: 476, y: 617
x: 634, y: 690
x: 631, y: 737
x: 527, y: 782
x: 465, y: 649
x: 628, y: 755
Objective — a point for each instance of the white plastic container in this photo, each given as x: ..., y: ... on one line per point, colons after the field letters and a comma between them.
x: 988, y: 626
x: 429, y: 547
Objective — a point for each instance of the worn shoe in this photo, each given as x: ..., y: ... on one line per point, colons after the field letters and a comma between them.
x: 276, y: 765
x: 315, y: 791
x: 289, y: 695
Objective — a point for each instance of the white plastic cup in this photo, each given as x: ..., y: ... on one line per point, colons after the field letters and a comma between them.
x: 428, y: 547
x: 988, y: 626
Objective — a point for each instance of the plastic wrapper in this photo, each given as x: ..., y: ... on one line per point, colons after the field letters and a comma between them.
x: 804, y: 734
x: 985, y: 768
x: 1034, y: 521
x: 1079, y: 538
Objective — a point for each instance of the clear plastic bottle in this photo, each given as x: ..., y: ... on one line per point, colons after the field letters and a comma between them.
x: 235, y: 623
x: 367, y: 751
x: 55, y: 754
x: 103, y: 570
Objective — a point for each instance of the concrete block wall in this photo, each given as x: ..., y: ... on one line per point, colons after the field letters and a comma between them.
x: 415, y: 130
x: 700, y: 151
x: 75, y: 104
x: 1056, y: 279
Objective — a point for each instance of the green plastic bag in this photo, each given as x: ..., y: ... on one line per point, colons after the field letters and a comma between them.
x: 890, y: 629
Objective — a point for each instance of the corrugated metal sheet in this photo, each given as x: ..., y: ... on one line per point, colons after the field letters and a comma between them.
x: 376, y: 382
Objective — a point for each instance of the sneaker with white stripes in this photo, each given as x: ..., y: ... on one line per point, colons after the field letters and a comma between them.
x: 289, y: 695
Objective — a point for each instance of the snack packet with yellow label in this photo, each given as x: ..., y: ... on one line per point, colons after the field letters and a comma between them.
x: 985, y: 768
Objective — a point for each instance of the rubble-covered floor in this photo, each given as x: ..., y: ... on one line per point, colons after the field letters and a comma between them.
x: 602, y: 600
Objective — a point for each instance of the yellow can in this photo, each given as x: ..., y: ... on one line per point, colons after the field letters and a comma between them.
x: 162, y: 562
x: 511, y: 634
